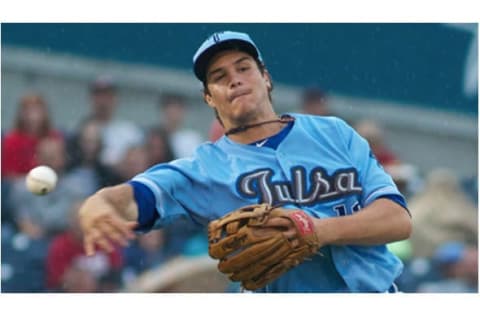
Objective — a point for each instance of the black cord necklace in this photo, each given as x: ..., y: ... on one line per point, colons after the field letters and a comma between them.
x: 283, y: 119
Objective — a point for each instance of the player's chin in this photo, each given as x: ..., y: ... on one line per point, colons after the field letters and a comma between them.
x: 243, y: 106
x: 243, y: 115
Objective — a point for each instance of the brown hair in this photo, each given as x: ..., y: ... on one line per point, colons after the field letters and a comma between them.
x: 169, y: 98
x: 34, y: 98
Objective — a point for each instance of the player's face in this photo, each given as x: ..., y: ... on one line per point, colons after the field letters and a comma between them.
x: 237, y: 88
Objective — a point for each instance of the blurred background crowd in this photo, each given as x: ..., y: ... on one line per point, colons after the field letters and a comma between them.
x: 98, y: 119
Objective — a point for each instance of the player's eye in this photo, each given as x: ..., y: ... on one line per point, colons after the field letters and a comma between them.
x: 219, y: 77
x: 244, y: 68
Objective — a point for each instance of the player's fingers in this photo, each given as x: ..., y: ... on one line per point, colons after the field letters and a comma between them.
x: 290, y: 234
x: 263, y: 232
x: 122, y: 226
x: 104, y: 244
x: 113, y: 233
x: 279, y: 222
x: 88, y: 246
x: 89, y: 242
x: 131, y: 225
x: 96, y: 237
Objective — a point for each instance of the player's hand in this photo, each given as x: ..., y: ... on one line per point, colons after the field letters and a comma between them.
x: 102, y: 226
x: 288, y: 229
x: 285, y: 225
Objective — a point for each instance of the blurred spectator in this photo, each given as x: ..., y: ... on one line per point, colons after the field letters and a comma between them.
x: 374, y: 134
x: 216, y: 130
x: 135, y: 161
x: 405, y: 176
x: 23, y: 261
x: 158, y: 146
x: 470, y: 187
x: 416, y: 271
x: 314, y: 101
x: 457, y: 266
x: 146, y: 252
x: 32, y: 124
x: 78, y: 279
x: 196, y: 245
x: 117, y: 134
x: 181, y: 237
x: 39, y: 216
x: 7, y: 216
x: 69, y: 269
x: 441, y: 212
x: 84, y: 163
x: 184, y: 141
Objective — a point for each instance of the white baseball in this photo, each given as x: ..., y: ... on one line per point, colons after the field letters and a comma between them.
x: 41, y: 180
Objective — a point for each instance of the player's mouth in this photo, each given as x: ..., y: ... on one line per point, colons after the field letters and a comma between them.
x: 238, y: 94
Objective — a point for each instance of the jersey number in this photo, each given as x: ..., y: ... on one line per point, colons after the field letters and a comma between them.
x: 341, y: 209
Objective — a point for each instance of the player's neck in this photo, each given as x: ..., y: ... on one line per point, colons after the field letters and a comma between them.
x: 251, y: 134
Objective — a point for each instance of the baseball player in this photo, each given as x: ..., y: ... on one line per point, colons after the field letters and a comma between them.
x: 318, y: 165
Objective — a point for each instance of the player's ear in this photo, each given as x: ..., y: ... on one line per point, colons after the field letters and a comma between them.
x: 208, y: 98
x: 268, y: 79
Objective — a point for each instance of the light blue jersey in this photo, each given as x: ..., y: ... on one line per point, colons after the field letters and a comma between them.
x: 322, y: 166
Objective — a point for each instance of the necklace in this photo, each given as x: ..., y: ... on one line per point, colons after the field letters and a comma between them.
x: 283, y: 119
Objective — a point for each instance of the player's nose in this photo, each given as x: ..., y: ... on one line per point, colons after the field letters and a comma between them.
x: 235, y: 81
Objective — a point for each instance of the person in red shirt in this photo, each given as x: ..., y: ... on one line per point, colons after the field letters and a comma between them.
x: 70, y: 270
x: 32, y: 123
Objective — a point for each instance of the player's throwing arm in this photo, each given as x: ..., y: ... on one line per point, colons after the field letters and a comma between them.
x: 108, y: 218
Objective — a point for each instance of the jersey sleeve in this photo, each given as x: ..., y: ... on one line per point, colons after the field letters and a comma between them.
x: 176, y: 193
x: 147, y: 214
x: 375, y: 181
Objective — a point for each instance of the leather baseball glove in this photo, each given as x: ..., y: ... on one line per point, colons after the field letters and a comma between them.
x: 255, y: 253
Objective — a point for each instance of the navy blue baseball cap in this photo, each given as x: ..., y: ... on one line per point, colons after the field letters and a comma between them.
x: 222, y: 41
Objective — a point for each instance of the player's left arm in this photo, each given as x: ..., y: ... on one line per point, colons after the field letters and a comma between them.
x: 381, y: 222
x: 384, y: 217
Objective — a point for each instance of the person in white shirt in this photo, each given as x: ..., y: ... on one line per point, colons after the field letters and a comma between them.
x: 183, y: 141
x: 117, y: 135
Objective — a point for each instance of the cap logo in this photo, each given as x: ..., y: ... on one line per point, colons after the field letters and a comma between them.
x: 219, y: 41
